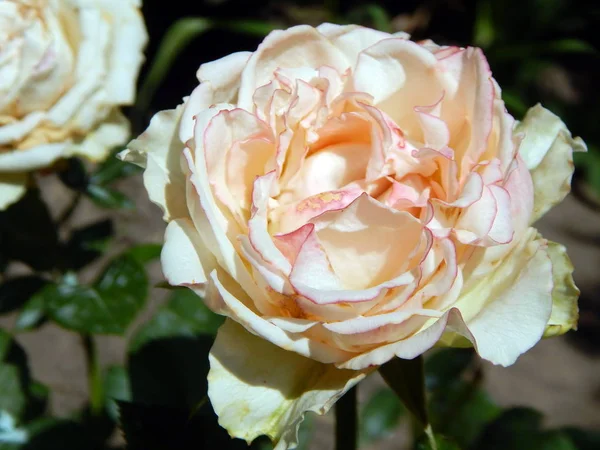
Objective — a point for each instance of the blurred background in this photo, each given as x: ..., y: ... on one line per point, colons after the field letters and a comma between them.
x: 545, y: 51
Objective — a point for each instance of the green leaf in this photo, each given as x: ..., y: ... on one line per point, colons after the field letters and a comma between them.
x: 87, y: 243
x: 28, y: 233
x: 144, y: 253
x: 583, y: 439
x: 108, y: 307
x: 252, y: 27
x: 484, y: 33
x: 37, y: 400
x: 15, y: 292
x: 555, y: 440
x: 441, y: 443
x: 177, y: 37
x: 543, y: 48
x: 373, y: 15
x: 446, y: 365
x: 407, y: 380
x: 515, y: 429
x: 106, y: 197
x: 184, y: 315
x: 32, y: 314
x: 154, y: 427
x: 116, y: 388
x: 516, y: 106
x: 63, y: 434
x: 168, y: 361
x: 170, y: 371
x: 380, y: 415
x: 113, y: 169
x: 12, y: 398
x: 461, y: 410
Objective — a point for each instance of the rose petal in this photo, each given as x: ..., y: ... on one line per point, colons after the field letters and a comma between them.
x: 406, y: 77
x: 184, y: 258
x: 565, y: 311
x: 272, y: 397
x: 547, y: 150
x: 159, y: 146
x: 352, y: 39
x: 33, y: 158
x: 297, y: 46
x: 236, y: 300
x: 12, y: 188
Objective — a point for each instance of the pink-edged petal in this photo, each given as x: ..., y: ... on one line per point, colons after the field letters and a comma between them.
x: 468, y: 106
x: 293, y: 216
x: 519, y: 186
x: 408, y: 348
x: 406, y: 77
x: 503, y: 316
x: 365, y: 324
x: 289, y: 244
x: 297, y: 46
x: 237, y: 309
x: 272, y: 397
x: 213, y: 226
x: 223, y: 141
x: 476, y: 221
x: 368, y: 243
x: 502, y: 230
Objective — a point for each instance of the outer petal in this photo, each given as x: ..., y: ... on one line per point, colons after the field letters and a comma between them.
x: 112, y: 132
x: 161, y: 149
x: 12, y: 188
x: 547, y: 150
x: 564, y: 295
x: 32, y: 159
x: 271, y: 397
x: 503, y: 315
x: 184, y: 256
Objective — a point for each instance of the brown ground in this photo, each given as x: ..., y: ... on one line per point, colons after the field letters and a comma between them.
x: 555, y: 377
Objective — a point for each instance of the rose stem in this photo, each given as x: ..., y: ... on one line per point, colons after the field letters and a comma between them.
x: 94, y: 375
x: 346, y: 418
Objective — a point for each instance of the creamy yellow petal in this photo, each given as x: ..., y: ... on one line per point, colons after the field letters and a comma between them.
x: 547, y: 150
x: 12, y: 188
x: 565, y: 311
x: 258, y: 389
x: 159, y: 150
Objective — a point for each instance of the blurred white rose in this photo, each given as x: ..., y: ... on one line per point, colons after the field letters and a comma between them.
x: 65, y: 68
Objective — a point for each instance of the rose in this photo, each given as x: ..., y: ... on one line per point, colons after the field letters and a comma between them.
x: 65, y: 67
x: 351, y: 196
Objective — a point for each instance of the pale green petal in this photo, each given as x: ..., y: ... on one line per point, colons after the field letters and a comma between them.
x: 565, y: 311
x: 12, y: 188
x: 258, y: 389
x: 547, y: 150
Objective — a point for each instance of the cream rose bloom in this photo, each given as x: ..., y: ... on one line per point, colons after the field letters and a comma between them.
x: 65, y: 68
x: 346, y: 196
